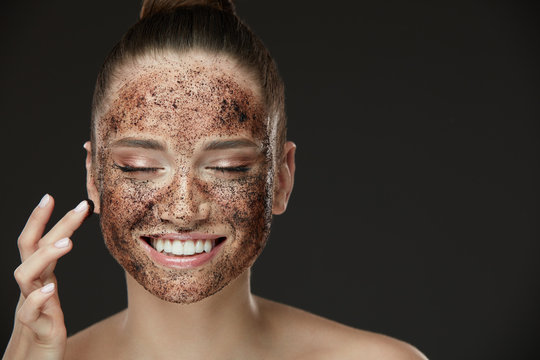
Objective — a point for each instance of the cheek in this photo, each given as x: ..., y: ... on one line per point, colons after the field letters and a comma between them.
x: 124, y: 204
x: 244, y: 204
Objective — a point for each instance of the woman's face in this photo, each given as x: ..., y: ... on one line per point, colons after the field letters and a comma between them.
x: 184, y: 152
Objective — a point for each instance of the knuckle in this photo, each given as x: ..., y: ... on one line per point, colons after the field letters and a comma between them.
x: 22, y: 314
x: 32, y: 301
x: 20, y: 242
x: 19, y: 274
x: 68, y: 222
x: 45, y: 251
x: 45, y: 254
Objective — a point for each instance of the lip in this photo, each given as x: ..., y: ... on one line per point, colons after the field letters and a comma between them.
x: 181, y: 262
x: 186, y: 236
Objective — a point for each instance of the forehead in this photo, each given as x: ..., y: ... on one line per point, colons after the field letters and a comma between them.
x: 183, y: 101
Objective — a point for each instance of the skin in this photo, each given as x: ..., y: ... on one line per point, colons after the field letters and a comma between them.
x: 184, y: 106
x: 206, y: 312
x: 38, y: 330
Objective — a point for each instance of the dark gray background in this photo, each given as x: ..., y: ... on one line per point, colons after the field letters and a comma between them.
x: 415, y: 206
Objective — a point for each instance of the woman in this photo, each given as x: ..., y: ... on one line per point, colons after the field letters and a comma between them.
x: 187, y: 163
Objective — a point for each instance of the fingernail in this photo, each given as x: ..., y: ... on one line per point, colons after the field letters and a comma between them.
x: 82, y: 206
x: 49, y: 288
x: 62, y: 243
x: 44, y: 201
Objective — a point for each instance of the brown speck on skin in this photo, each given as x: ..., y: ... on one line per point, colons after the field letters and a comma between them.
x: 185, y: 103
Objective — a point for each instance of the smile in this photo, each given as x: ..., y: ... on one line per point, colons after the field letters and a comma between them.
x: 181, y: 251
x: 182, y: 247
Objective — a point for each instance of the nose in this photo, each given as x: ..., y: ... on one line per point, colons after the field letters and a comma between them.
x: 182, y: 204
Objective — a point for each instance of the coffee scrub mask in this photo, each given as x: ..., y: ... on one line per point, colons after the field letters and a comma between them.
x: 185, y: 146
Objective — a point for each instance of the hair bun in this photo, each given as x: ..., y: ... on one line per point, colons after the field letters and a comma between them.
x: 151, y: 7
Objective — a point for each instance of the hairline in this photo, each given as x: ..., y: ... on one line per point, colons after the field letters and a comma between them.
x: 157, y: 56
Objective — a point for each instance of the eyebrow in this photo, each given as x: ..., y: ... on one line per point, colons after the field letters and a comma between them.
x: 229, y: 144
x: 212, y: 145
x: 139, y: 143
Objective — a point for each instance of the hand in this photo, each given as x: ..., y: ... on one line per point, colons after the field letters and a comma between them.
x: 39, y: 331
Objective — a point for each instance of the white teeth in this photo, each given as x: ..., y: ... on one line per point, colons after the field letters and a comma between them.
x: 199, y: 246
x: 178, y: 247
x: 159, y: 245
x: 207, y: 246
x: 189, y: 247
x: 167, y: 246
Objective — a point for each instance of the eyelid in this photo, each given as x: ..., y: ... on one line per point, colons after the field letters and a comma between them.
x: 135, y: 158
x: 228, y: 157
x: 226, y: 163
x: 128, y: 168
x: 233, y: 169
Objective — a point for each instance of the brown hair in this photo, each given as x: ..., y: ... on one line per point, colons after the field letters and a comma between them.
x: 185, y: 25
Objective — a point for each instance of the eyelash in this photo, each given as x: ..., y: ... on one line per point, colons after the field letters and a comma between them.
x: 149, y: 169
x: 135, y: 169
x: 230, y: 169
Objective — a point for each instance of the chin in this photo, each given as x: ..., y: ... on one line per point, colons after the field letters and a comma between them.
x: 186, y: 286
x: 183, y: 295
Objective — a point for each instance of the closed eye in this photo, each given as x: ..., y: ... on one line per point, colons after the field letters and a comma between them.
x: 136, y: 169
x: 230, y: 169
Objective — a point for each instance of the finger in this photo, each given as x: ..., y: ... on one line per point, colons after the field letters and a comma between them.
x: 33, y: 230
x: 30, y: 314
x: 68, y: 224
x: 40, y: 265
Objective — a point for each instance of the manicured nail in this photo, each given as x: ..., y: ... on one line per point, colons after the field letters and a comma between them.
x: 49, y: 288
x: 44, y: 201
x: 82, y: 206
x: 62, y: 243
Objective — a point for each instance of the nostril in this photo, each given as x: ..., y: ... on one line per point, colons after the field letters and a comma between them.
x: 185, y: 214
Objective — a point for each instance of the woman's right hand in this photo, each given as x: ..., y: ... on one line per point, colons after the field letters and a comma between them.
x: 39, y: 331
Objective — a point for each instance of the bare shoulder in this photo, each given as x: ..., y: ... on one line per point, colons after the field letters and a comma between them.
x: 307, y: 336
x: 94, y: 341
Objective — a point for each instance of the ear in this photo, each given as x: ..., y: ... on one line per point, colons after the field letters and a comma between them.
x: 284, y: 179
x: 91, y: 188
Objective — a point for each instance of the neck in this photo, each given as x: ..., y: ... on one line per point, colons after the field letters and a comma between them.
x: 220, y: 324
